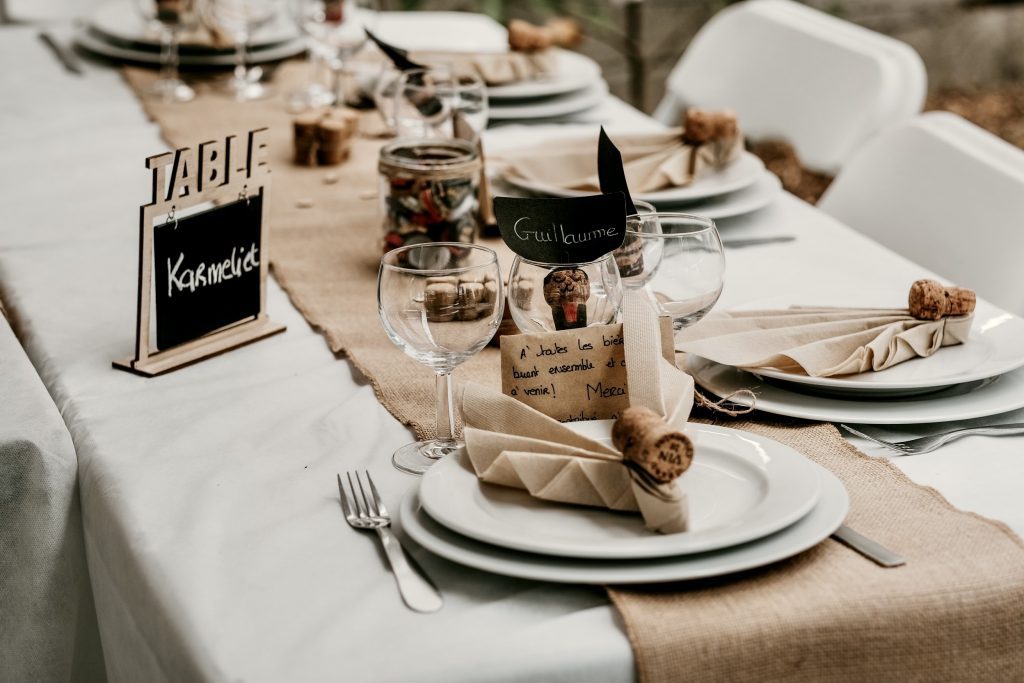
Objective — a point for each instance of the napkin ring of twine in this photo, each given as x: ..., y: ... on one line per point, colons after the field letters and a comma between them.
x: 720, y: 406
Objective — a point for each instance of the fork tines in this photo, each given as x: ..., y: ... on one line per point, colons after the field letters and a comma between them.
x: 360, y: 505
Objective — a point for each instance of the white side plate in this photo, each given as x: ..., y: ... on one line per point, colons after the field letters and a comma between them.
x: 548, y: 108
x: 573, y: 72
x: 812, y: 529
x: 741, y: 486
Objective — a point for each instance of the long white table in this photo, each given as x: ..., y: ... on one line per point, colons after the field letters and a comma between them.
x: 214, y: 537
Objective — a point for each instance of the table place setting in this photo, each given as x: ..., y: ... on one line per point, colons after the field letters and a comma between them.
x: 582, y: 410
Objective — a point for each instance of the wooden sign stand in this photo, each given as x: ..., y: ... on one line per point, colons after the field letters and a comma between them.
x: 221, y: 172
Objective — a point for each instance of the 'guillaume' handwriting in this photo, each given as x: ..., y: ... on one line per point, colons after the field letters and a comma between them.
x: 241, y: 261
x: 556, y: 233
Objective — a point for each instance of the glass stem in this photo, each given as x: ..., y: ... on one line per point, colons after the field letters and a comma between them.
x: 445, y: 430
x: 241, y: 45
x: 168, y: 55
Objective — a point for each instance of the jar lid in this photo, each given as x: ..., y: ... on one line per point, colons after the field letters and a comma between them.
x: 430, y: 158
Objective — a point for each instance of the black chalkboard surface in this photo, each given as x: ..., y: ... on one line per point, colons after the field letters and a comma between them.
x: 207, y: 271
x: 562, y: 230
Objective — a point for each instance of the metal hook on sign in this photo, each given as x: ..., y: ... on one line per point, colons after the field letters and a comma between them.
x: 244, y: 194
x: 172, y: 217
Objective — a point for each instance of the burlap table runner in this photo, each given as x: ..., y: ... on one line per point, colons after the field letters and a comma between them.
x: 954, y: 612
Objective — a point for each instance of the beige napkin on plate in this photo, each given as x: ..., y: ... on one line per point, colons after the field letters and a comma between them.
x: 511, y: 444
x: 821, y: 342
x: 497, y: 68
x: 651, y: 161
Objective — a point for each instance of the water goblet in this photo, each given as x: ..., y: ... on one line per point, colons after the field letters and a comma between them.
x: 428, y: 102
x: 544, y: 297
x: 240, y: 19
x: 679, y: 259
x: 440, y: 302
x: 337, y: 29
x: 169, y: 17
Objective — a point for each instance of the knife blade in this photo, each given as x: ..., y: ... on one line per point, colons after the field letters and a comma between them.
x: 63, y: 54
x: 739, y: 242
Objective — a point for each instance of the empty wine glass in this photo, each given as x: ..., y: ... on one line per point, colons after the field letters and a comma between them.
x: 440, y: 303
x: 544, y: 297
x: 438, y: 102
x: 170, y: 18
x: 679, y: 259
x: 337, y: 29
x: 240, y: 19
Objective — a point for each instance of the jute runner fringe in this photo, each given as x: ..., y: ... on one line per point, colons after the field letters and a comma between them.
x: 954, y: 612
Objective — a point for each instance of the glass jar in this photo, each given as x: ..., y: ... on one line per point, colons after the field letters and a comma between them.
x: 429, y: 192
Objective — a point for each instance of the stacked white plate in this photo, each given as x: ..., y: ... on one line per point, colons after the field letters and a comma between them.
x: 981, y: 377
x: 575, y: 87
x: 742, y: 187
x: 117, y: 31
x: 753, y: 501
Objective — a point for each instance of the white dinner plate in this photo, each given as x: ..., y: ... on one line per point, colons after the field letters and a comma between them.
x: 573, y: 72
x: 741, y: 486
x: 959, y: 402
x: 93, y: 43
x: 743, y: 172
x: 994, y: 347
x: 763, y: 192
x: 552, y: 107
x: 807, y: 532
x: 120, y: 20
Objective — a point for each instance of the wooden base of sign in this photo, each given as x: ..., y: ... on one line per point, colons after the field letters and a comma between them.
x: 201, y: 349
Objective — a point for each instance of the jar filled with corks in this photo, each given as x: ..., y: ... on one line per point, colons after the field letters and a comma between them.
x: 429, y: 192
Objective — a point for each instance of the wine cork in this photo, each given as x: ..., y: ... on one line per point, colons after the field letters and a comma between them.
x: 566, y: 291
x: 701, y: 125
x: 471, y: 300
x: 526, y: 37
x: 630, y: 256
x: 931, y: 300
x: 642, y: 437
x: 439, y: 301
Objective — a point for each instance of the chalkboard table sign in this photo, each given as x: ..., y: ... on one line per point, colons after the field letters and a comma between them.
x: 202, y: 255
x: 562, y: 230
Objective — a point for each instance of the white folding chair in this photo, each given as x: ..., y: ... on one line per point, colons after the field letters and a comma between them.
x: 793, y: 72
x: 945, y: 194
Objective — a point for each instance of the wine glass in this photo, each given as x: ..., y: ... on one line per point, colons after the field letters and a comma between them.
x: 439, y: 102
x: 679, y: 258
x: 545, y: 297
x: 337, y: 29
x: 240, y: 19
x: 169, y: 17
x: 440, y: 302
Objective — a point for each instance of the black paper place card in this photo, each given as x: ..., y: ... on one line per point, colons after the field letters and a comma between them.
x: 207, y: 271
x: 610, y: 172
x: 562, y: 231
x: 398, y: 56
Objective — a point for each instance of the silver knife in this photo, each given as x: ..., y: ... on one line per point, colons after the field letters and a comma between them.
x: 63, y: 54
x: 878, y: 554
x: 738, y: 242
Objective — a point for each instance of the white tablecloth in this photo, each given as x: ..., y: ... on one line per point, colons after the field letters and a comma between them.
x: 215, y: 542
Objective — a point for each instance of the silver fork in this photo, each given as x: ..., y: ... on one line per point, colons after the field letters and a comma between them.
x: 367, y: 511
x: 927, y: 444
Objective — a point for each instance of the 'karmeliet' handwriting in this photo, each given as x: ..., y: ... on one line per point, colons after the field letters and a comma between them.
x: 207, y: 274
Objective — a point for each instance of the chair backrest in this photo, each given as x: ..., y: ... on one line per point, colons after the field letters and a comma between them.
x: 793, y: 72
x: 945, y: 194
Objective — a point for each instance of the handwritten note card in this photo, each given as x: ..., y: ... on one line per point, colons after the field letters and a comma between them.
x: 573, y: 375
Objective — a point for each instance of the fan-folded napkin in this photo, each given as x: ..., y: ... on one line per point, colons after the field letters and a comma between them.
x: 511, y: 444
x: 495, y: 68
x: 821, y: 342
x: 651, y: 161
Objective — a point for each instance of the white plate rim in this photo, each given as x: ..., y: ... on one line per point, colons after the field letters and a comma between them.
x: 562, y: 105
x: 827, y: 516
x: 590, y: 74
x: 1004, y: 394
x: 780, y: 508
x: 702, y: 188
x: 96, y: 45
x: 762, y: 193
x: 104, y: 20
x: 875, y: 382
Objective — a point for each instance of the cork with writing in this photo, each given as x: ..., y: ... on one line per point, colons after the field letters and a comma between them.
x: 573, y: 375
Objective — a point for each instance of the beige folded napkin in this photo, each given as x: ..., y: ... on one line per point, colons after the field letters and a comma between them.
x: 512, y: 444
x: 821, y: 342
x: 651, y: 161
x: 497, y: 68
